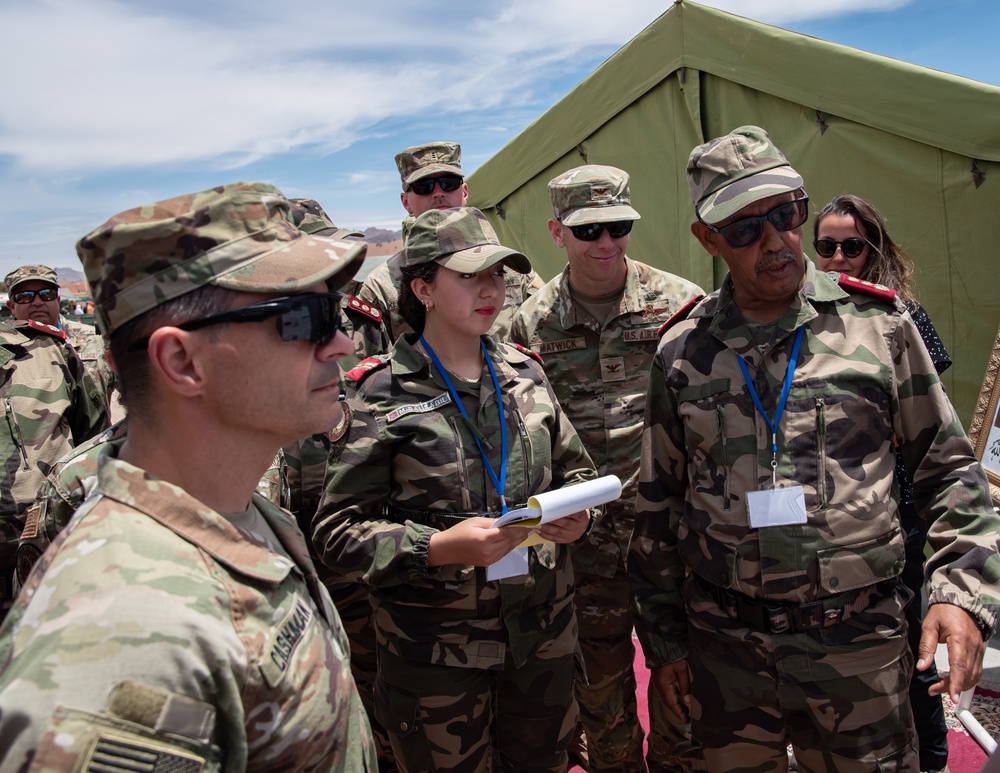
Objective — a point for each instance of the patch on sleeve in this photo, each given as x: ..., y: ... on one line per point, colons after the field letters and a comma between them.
x: 41, y: 327
x: 364, y: 307
x: 851, y: 284
x: 343, y: 425
x: 283, y: 640
x: 424, y: 407
x: 681, y: 314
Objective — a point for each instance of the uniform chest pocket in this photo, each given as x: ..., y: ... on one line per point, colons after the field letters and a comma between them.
x: 720, y: 436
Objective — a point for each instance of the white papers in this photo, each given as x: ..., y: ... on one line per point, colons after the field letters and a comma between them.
x: 545, y: 507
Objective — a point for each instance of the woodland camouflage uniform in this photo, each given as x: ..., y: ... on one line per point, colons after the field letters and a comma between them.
x: 409, y: 466
x: 796, y: 633
x: 50, y: 403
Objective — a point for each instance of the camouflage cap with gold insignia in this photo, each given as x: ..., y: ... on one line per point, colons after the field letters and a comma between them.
x: 591, y: 194
x: 461, y: 239
x: 239, y: 236
x: 729, y: 173
x: 29, y: 273
x: 431, y: 158
x: 310, y: 217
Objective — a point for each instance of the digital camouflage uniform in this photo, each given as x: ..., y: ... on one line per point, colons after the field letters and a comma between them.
x: 50, y: 403
x: 73, y: 478
x: 89, y: 344
x: 409, y: 466
x: 223, y: 643
x: 192, y: 643
x: 699, y: 572
x: 599, y: 373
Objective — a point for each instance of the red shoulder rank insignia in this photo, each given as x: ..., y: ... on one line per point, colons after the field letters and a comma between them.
x: 340, y: 430
x: 47, y: 329
x: 526, y: 350
x: 679, y: 315
x: 361, y: 371
x: 363, y: 307
x: 849, y: 283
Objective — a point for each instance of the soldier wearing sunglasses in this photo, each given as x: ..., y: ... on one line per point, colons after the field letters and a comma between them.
x: 596, y: 327
x: 765, y: 563
x: 33, y: 293
x: 178, y: 620
x: 50, y: 402
x: 432, y: 178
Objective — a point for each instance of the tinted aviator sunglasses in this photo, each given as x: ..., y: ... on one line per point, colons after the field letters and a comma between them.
x: 591, y: 232
x: 851, y: 248
x: 313, y: 317
x: 27, y: 296
x: 447, y: 183
x: 744, y: 232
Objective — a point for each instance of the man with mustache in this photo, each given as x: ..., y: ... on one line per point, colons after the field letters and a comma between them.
x: 767, y: 548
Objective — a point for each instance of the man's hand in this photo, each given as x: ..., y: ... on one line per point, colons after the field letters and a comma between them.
x: 952, y: 625
x: 673, y: 683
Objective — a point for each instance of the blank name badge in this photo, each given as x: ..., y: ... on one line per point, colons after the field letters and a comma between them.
x: 784, y: 506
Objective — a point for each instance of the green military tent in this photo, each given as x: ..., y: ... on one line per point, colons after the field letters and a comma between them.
x: 923, y: 145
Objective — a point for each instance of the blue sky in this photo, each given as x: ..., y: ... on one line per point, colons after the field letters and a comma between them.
x: 108, y: 105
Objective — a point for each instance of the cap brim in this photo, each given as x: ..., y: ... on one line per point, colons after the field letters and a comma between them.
x: 297, y: 266
x: 612, y: 214
x: 337, y: 233
x: 726, y: 202
x: 483, y: 256
x: 430, y: 170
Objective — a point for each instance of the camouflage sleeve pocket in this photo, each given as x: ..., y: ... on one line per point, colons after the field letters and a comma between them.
x: 81, y: 741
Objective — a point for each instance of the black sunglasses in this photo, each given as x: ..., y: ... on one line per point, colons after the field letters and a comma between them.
x: 311, y: 317
x: 448, y: 183
x: 851, y: 248
x: 784, y: 217
x: 27, y: 296
x: 591, y: 232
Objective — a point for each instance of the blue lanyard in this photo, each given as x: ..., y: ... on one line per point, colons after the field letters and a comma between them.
x: 499, y: 483
x: 780, y: 409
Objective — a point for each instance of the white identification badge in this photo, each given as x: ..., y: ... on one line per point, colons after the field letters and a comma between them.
x: 777, y: 507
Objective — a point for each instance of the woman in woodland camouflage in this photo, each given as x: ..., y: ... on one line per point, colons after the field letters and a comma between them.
x: 474, y: 674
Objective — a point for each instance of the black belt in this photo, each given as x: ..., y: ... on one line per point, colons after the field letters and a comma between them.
x: 783, y: 617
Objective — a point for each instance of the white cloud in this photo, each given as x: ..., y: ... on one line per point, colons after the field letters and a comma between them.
x: 106, y: 85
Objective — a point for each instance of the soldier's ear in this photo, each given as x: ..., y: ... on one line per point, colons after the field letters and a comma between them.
x: 174, y: 355
x: 421, y: 290
x: 555, y: 228
x: 706, y: 237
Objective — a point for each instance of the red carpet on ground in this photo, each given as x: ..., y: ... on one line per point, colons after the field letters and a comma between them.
x: 965, y: 755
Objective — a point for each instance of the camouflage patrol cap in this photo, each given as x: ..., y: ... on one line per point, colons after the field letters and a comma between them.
x: 591, y: 194
x: 731, y: 172
x: 29, y: 273
x: 310, y: 217
x: 461, y: 239
x: 239, y: 236
x: 431, y: 158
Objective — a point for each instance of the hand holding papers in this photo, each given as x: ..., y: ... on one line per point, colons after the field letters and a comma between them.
x: 544, y: 508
